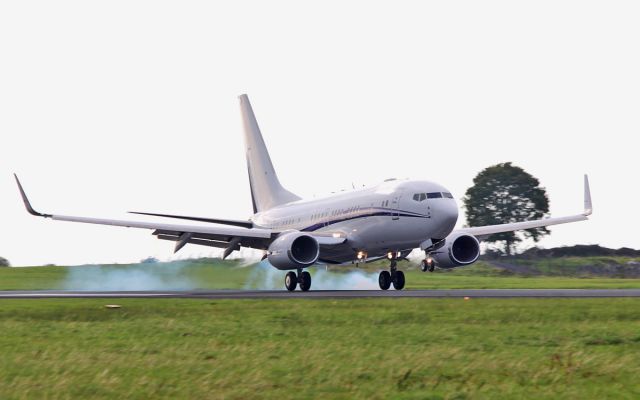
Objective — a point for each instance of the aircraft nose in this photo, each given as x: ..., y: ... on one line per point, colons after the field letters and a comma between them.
x: 446, y: 216
x: 451, y: 213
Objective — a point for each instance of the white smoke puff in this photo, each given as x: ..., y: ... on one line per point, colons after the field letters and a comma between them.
x: 416, y: 256
x: 265, y: 277
x: 133, y: 277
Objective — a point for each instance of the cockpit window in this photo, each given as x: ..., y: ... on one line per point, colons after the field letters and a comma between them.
x: 419, y: 196
x: 432, y: 195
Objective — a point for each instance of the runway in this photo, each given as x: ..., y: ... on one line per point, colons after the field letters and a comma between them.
x: 326, y: 294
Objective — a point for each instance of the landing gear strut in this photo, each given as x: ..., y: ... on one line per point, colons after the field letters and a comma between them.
x: 393, y: 276
x: 291, y: 280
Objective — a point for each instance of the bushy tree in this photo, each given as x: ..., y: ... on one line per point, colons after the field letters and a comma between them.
x: 4, y: 262
x: 505, y: 193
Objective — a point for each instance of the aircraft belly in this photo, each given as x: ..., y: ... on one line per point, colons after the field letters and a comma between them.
x: 337, y: 254
x: 376, y: 236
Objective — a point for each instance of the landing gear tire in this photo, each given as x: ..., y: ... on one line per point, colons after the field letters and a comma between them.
x: 427, y: 266
x: 291, y: 281
x: 398, y: 280
x: 305, y: 281
x: 384, y: 280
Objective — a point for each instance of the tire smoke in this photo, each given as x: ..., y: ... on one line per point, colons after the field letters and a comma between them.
x: 131, y: 277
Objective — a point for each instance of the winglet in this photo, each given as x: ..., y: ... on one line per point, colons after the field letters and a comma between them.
x: 26, y: 201
x: 588, y: 207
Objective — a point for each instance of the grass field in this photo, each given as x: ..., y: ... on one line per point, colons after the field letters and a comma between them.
x: 213, y: 274
x: 374, y: 349
x: 367, y: 349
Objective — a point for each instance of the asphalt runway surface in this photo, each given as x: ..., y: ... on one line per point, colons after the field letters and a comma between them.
x: 326, y: 294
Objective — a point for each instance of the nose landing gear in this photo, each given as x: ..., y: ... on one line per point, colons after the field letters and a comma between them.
x: 291, y: 280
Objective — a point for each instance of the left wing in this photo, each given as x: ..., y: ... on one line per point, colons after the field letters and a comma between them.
x: 484, y: 231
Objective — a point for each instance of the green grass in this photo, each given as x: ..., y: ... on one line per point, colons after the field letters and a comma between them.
x: 213, y: 274
x: 32, y: 278
x: 581, y: 266
x: 363, y: 349
x: 440, y: 281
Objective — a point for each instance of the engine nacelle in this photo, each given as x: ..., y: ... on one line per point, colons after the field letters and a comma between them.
x: 459, y: 250
x: 292, y: 250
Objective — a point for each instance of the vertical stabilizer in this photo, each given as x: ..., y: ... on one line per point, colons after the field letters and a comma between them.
x: 266, y: 190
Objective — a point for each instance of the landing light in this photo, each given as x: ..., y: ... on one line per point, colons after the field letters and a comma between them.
x: 361, y: 255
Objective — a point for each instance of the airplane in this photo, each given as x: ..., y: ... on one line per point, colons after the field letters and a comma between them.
x: 388, y: 220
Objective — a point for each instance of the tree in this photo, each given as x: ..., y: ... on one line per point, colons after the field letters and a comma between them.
x: 504, y: 193
x: 4, y: 262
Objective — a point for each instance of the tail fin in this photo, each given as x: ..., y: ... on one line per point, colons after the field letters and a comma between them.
x: 266, y: 190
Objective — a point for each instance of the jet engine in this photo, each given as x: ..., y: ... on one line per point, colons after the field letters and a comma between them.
x: 459, y: 250
x: 292, y: 250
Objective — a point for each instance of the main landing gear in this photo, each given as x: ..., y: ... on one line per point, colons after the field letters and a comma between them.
x: 393, y: 276
x: 428, y: 264
x: 291, y: 280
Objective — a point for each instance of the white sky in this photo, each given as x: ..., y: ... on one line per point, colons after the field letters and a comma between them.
x: 113, y: 106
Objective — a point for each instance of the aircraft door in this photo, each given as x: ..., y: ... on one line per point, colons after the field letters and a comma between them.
x: 395, y: 206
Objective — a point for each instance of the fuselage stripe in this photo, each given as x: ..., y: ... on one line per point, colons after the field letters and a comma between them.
x: 387, y: 213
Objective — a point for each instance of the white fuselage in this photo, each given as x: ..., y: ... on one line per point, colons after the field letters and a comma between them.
x: 394, y: 216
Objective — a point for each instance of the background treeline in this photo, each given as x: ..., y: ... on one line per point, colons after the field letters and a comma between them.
x: 580, y: 250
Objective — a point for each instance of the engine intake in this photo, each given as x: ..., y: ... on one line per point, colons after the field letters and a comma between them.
x: 292, y: 250
x: 459, y: 250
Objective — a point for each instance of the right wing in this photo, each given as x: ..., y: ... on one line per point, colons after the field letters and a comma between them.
x: 232, y: 222
x: 484, y: 231
x: 230, y: 238
x: 226, y: 237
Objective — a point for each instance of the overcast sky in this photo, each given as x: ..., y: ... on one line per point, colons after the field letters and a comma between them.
x: 107, y: 107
